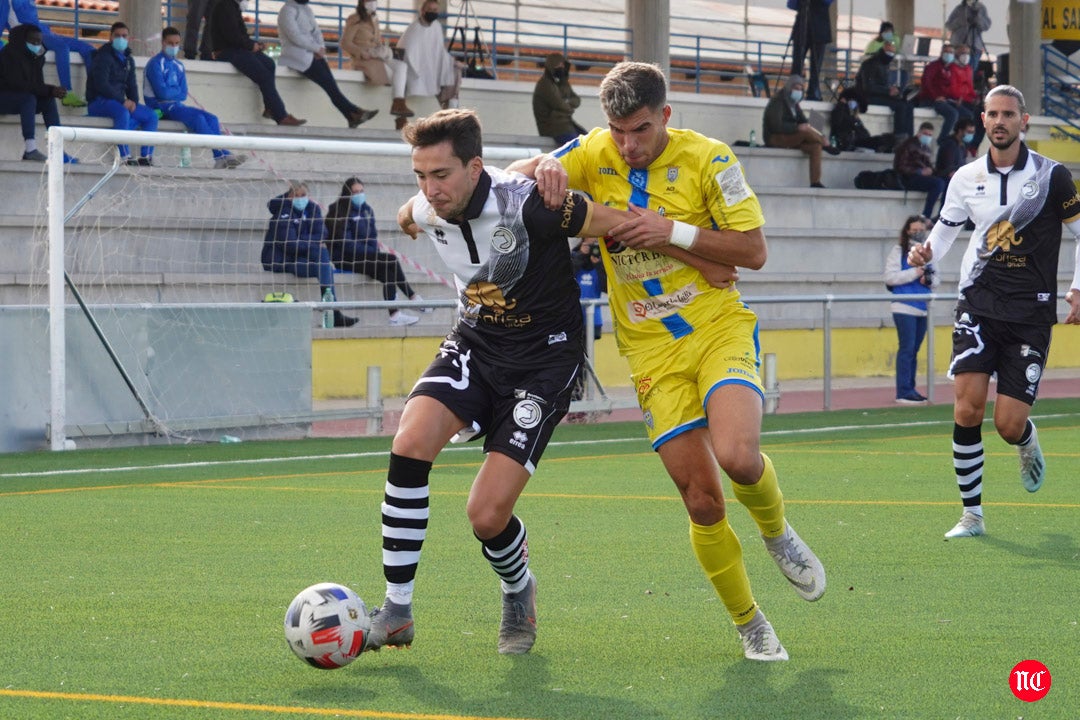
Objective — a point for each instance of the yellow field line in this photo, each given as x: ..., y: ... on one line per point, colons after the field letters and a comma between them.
x: 245, y: 707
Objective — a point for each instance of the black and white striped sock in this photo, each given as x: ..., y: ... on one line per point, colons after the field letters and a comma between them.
x: 508, y: 553
x: 968, y: 463
x: 404, y: 524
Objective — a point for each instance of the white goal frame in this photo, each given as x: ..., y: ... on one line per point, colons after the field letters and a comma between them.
x: 61, y: 137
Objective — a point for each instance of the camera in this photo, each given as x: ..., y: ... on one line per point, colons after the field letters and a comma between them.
x: 594, y: 251
x: 928, y: 275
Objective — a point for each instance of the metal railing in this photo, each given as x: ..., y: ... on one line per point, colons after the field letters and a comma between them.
x: 1061, y: 91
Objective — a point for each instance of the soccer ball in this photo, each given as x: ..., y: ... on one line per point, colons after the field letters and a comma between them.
x: 326, y: 625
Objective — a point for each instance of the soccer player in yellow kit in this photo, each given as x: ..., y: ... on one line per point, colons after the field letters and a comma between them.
x: 692, y: 347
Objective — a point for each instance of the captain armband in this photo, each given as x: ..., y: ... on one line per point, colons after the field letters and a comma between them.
x: 683, y: 234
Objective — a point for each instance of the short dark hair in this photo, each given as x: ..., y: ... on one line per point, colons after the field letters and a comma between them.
x: 117, y: 26
x: 886, y: 25
x: 926, y: 125
x: 460, y: 127
x: 630, y: 86
x: 169, y: 31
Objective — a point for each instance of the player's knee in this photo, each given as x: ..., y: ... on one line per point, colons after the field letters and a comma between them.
x: 487, y: 521
x: 742, y: 465
x: 1010, y: 429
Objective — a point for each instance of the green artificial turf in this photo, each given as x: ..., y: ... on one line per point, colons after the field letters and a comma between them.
x: 158, y: 590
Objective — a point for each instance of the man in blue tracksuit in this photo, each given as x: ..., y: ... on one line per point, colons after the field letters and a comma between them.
x: 113, y: 92
x: 165, y: 90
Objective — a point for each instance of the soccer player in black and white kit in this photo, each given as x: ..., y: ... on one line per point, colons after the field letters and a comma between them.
x: 1018, y: 201
x: 505, y: 372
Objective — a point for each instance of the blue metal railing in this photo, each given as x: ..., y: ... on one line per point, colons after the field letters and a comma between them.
x: 1061, y: 92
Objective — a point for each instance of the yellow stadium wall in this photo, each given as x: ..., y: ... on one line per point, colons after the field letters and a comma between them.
x: 339, y: 367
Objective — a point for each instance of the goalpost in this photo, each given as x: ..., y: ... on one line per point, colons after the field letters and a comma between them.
x: 155, y: 289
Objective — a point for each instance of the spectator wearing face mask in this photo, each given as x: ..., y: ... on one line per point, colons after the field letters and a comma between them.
x: 937, y: 91
x: 23, y: 90
x: 887, y: 33
x: 363, y: 42
x: 165, y: 89
x: 113, y: 92
x: 24, y: 12
x: 963, y: 88
x: 909, y: 285
x: 952, y: 151
x: 785, y: 126
x: 353, y: 242
x: 847, y: 128
x: 554, y: 101
x: 294, y: 243
x: 915, y: 167
x: 432, y: 70
x: 874, y: 88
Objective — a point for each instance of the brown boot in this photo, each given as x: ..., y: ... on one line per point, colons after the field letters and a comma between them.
x: 398, y: 107
x: 400, y: 122
x: 290, y: 120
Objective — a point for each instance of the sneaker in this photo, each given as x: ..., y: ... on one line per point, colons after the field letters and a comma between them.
x: 1032, y: 466
x: 817, y: 185
x: 70, y: 159
x: 220, y: 163
x: 970, y: 525
x: 912, y: 399
x: 759, y: 640
x: 798, y: 563
x: 341, y: 320
x: 145, y: 162
x: 517, y: 631
x: 391, y: 625
x: 73, y: 100
x: 235, y: 161
x: 399, y: 317
x: 417, y: 299
x: 35, y: 156
x: 831, y: 149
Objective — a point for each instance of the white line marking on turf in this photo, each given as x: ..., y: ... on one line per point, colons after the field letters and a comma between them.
x: 386, y: 453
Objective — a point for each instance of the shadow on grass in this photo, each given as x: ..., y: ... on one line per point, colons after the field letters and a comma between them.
x: 751, y: 689
x: 1053, y: 548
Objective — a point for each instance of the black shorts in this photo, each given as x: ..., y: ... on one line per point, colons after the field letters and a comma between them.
x: 1016, y: 352
x: 515, y: 410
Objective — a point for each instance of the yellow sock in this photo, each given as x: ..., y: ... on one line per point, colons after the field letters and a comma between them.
x: 764, y: 501
x: 720, y: 554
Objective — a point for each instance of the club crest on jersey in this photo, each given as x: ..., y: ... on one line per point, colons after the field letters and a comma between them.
x: 503, y: 240
x: 1029, y: 189
x: 527, y: 414
x: 672, y: 174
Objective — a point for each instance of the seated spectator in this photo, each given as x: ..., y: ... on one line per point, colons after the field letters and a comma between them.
x: 937, y: 88
x: 952, y: 151
x: 554, y: 102
x: 24, y: 12
x: 913, y: 164
x: 304, y: 50
x: 432, y: 70
x: 165, y: 89
x: 23, y: 90
x: 785, y: 126
x: 886, y: 33
x: 113, y: 92
x: 848, y: 130
x: 231, y: 43
x: 294, y: 243
x: 963, y: 89
x: 363, y: 42
x: 874, y: 88
x: 353, y: 242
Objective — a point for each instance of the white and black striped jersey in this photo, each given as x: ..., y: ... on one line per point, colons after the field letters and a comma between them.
x: 1009, y: 270
x: 518, y: 299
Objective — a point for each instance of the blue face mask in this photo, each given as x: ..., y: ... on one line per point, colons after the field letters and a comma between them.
x: 947, y: 58
x: 968, y: 138
x: 300, y: 203
x: 172, y: 50
x: 120, y: 44
x: 853, y: 105
x: 926, y: 140
x: 359, y: 199
x: 887, y: 36
x: 36, y: 49
x: 796, y: 95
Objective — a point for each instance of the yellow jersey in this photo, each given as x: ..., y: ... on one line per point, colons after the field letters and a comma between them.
x: 696, y: 179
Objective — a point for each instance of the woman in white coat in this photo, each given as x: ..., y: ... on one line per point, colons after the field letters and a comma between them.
x: 304, y: 50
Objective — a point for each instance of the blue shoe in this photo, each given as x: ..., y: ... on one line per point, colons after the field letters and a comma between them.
x: 70, y: 159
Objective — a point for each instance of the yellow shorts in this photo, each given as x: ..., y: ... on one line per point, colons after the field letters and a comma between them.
x: 674, y: 382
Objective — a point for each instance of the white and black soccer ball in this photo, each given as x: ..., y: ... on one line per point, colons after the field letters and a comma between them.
x: 326, y: 625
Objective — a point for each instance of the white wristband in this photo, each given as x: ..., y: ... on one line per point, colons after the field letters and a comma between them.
x: 683, y: 234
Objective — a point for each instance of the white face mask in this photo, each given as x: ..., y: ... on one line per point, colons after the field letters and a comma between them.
x: 370, y: 7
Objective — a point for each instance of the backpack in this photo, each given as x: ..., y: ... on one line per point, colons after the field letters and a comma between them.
x: 887, y: 179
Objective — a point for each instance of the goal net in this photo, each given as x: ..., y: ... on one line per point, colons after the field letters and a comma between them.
x: 161, y: 319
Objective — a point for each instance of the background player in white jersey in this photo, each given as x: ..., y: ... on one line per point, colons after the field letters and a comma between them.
x: 1018, y: 201
x: 506, y: 370
x: 692, y: 348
